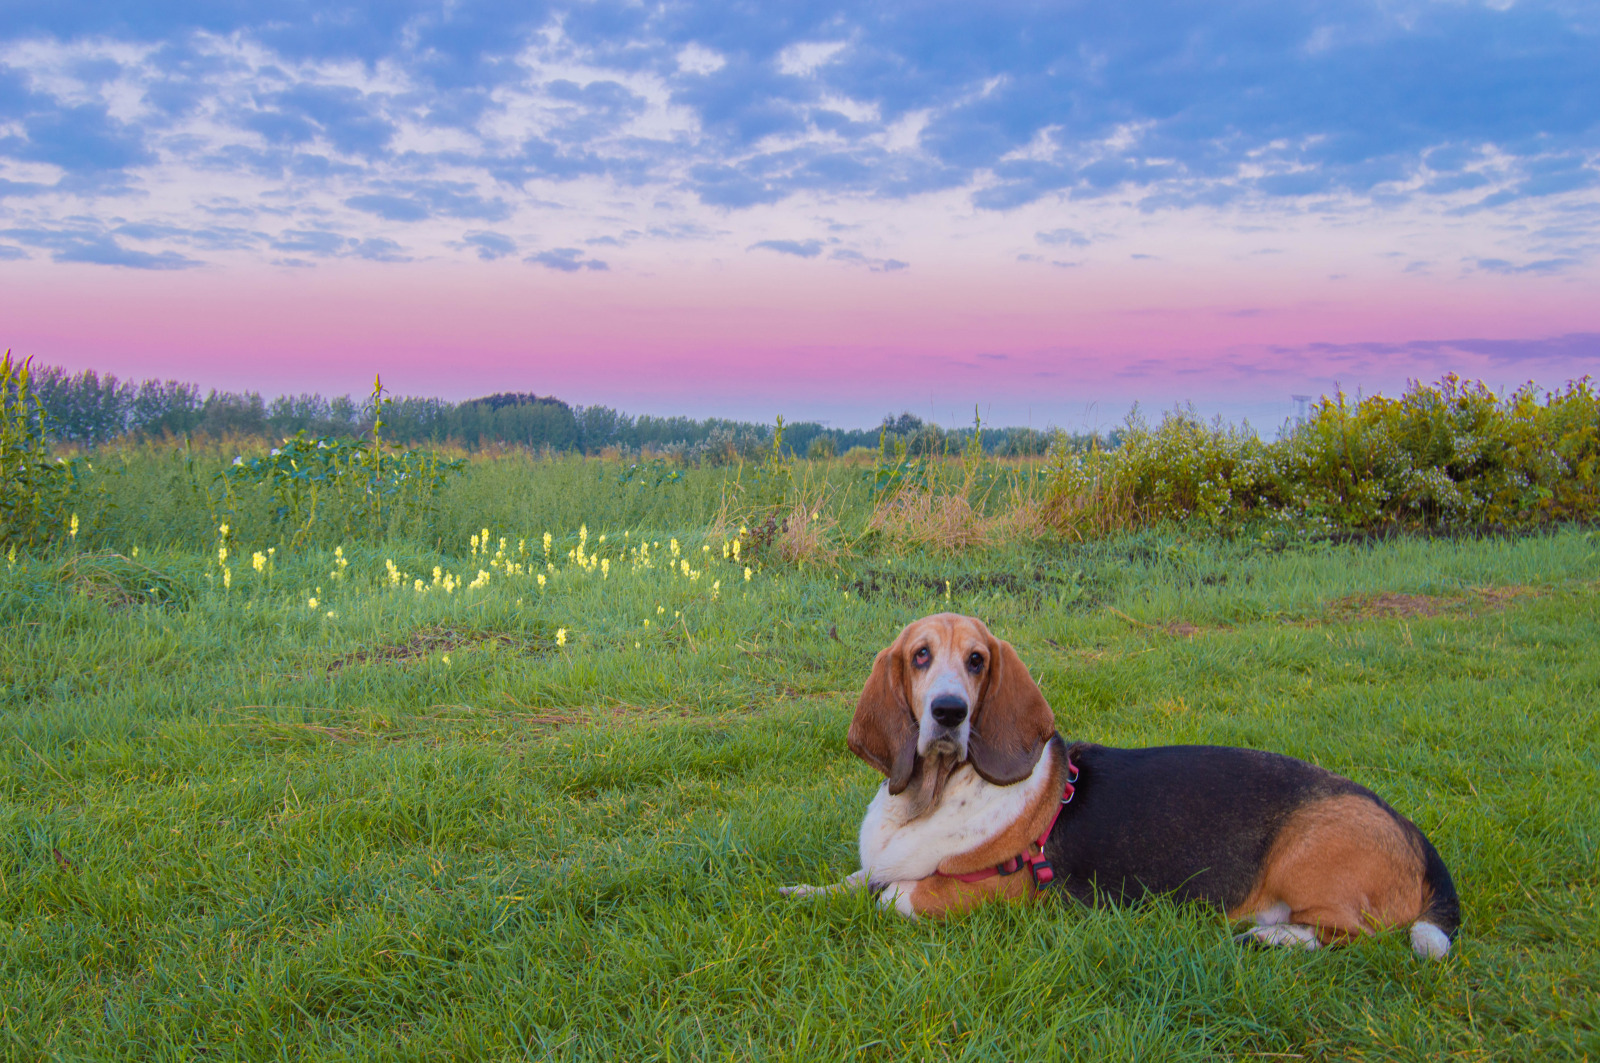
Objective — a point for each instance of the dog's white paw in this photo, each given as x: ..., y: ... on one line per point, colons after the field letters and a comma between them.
x: 897, y: 895
x: 1285, y: 935
x: 850, y: 882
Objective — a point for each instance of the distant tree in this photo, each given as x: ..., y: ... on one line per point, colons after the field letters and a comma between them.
x: 515, y: 417
x: 414, y: 420
x: 601, y: 426
x: 165, y: 407
x: 227, y: 413
x: 83, y: 407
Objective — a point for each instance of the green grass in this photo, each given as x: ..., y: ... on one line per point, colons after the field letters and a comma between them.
x: 234, y: 826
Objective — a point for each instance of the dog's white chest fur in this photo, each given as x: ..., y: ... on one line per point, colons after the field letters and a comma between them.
x: 971, y: 811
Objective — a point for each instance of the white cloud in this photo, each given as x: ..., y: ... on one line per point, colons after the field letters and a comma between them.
x: 698, y: 59
x: 804, y: 59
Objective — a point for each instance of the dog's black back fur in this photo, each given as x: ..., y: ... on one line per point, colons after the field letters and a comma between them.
x: 1195, y: 823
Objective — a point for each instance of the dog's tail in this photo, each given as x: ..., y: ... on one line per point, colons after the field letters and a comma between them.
x: 1436, y: 927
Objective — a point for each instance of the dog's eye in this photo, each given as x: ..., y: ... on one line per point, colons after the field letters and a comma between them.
x: 921, y: 657
x: 975, y: 663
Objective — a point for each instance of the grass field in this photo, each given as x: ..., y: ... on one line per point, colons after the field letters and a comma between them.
x: 514, y: 821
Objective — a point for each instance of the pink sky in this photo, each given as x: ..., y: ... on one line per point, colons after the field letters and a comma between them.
x: 801, y: 338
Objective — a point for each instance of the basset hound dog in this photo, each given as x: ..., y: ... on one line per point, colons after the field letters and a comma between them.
x: 982, y: 800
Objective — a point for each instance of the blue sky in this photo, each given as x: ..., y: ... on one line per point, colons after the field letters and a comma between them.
x: 603, y: 141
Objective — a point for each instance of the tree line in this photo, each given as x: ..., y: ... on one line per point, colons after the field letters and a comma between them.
x: 89, y: 409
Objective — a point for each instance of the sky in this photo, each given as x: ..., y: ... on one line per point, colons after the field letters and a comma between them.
x: 831, y: 212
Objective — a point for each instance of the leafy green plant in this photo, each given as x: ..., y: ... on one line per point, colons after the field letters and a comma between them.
x: 35, y: 492
x: 354, y: 488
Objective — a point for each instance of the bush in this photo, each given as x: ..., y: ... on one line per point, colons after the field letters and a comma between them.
x: 1449, y: 454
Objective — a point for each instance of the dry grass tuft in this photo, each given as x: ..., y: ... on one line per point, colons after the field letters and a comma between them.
x: 806, y: 534
x: 948, y: 523
x: 1100, y: 510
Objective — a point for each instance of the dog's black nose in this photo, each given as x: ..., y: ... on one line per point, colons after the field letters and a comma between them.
x: 949, y: 709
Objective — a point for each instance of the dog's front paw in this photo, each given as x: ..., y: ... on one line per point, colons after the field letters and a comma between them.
x: 852, y: 882
x: 897, y: 896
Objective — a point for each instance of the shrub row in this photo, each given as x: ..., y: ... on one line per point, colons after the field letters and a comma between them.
x: 1452, y: 453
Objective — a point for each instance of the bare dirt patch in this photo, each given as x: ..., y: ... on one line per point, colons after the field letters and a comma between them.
x: 1391, y: 605
x: 425, y: 642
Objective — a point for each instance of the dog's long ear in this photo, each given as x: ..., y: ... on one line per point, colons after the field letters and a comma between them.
x: 1013, y: 721
x: 884, y: 730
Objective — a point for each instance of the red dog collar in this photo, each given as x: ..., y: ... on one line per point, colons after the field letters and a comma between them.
x: 1043, y: 873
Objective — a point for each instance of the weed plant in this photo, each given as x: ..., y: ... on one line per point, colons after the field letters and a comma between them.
x: 36, y: 492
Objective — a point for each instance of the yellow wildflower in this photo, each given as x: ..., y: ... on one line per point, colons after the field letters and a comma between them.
x: 660, y: 609
x: 420, y: 586
x: 311, y: 603
x: 447, y: 658
x: 227, y: 578
x: 474, y: 546
x: 481, y: 581
x: 605, y: 568
x: 547, y: 546
x: 685, y: 564
x: 561, y: 636
x: 541, y: 581
x: 223, y: 529
x: 674, y: 548
x: 747, y: 573
x: 222, y: 555
x: 258, y: 561
x: 736, y: 549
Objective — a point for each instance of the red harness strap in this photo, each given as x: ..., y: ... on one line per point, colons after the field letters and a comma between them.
x: 1043, y: 873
